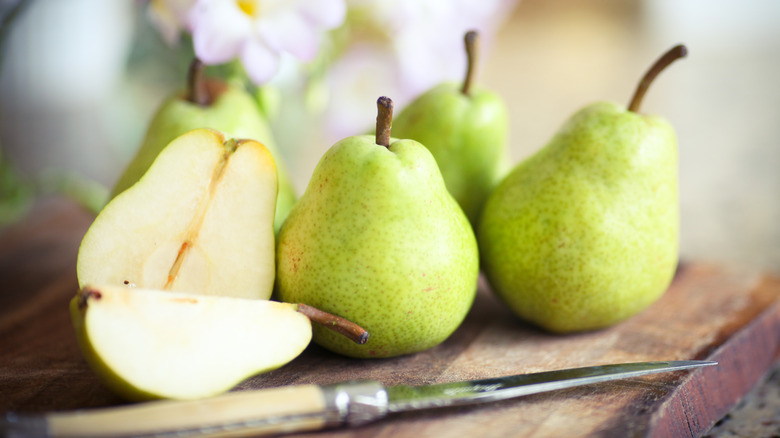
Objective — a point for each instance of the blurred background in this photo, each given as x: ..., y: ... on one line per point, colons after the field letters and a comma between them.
x: 80, y: 80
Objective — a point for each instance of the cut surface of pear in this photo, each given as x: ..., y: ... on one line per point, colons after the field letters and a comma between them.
x: 200, y: 220
x: 232, y: 111
x: 148, y: 344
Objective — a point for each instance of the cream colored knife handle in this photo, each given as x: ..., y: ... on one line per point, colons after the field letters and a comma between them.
x: 235, y: 414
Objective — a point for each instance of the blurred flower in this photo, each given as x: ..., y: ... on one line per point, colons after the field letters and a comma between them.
x: 397, y: 48
x: 258, y: 32
x: 362, y: 74
x: 427, y: 36
x: 170, y: 18
x: 409, y: 46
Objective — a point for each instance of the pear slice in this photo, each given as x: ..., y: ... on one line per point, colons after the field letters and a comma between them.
x: 200, y: 220
x: 148, y: 344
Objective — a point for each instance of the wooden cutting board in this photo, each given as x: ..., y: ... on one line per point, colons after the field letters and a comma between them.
x: 722, y: 313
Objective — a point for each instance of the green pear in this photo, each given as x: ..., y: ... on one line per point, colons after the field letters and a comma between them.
x: 147, y: 344
x: 208, y: 103
x: 584, y: 233
x: 377, y: 239
x: 200, y: 221
x: 465, y: 128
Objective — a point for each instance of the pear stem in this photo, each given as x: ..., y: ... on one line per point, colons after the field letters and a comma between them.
x: 673, y: 54
x: 197, y: 92
x: 384, y: 120
x: 87, y: 294
x: 352, y: 331
x: 470, y: 40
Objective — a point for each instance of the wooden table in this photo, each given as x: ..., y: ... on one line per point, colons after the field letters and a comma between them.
x: 721, y: 313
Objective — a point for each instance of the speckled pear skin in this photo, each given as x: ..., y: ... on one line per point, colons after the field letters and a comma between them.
x: 376, y: 239
x: 584, y: 233
x: 466, y: 134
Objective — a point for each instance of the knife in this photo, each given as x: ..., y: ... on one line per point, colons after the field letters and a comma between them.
x: 309, y: 407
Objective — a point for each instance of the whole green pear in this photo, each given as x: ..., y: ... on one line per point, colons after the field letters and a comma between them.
x: 465, y: 127
x: 584, y: 233
x: 225, y: 107
x: 377, y: 239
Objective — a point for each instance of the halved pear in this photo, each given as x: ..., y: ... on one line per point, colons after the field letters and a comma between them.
x: 200, y: 221
x: 148, y: 344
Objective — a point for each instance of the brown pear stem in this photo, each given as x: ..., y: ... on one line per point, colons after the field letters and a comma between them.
x: 197, y: 91
x: 470, y: 40
x: 384, y: 120
x: 86, y: 294
x: 673, y: 54
x: 352, y: 331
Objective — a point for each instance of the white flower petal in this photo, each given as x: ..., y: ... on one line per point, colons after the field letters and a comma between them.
x: 364, y: 72
x: 326, y: 14
x: 170, y: 17
x: 290, y: 33
x: 260, y: 61
x: 219, y: 31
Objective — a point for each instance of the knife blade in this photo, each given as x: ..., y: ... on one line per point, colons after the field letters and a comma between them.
x: 309, y: 407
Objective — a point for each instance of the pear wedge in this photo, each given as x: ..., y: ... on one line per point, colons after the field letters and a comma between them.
x: 148, y: 344
x: 199, y: 221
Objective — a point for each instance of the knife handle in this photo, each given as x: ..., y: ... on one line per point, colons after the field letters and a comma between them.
x: 240, y: 413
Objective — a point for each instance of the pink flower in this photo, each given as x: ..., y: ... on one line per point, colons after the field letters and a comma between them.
x: 259, y: 31
x: 170, y: 18
x: 401, y: 48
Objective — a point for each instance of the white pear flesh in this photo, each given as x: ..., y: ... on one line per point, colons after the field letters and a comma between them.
x: 148, y: 344
x: 200, y: 220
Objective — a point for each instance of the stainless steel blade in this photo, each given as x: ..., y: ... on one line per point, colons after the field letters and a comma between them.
x: 408, y: 398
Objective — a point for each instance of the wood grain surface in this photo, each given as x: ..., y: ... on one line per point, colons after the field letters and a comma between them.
x: 723, y: 313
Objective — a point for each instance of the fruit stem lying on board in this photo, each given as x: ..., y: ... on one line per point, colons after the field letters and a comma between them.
x: 354, y: 332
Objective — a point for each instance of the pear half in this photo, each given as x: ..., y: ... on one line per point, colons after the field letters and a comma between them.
x: 208, y: 103
x: 200, y: 221
x: 148, y: 344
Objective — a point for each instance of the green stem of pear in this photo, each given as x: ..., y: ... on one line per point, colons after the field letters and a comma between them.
x: 347, y: 328
x: 673, y: 54
x: 384, y: 120
x: 197, y: 91
x: 470, y: 40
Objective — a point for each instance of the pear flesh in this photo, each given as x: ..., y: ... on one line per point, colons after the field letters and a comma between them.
x: 200, y: 221
x: 233, y: 112
x: 148, y: 344
x: 377, y: 239
x: 584, y: 233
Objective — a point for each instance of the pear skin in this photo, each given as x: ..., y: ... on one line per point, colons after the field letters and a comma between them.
x: 467, y: 136
x: 584, y: 233
x: 377, y: 239
x: 466, y: 128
